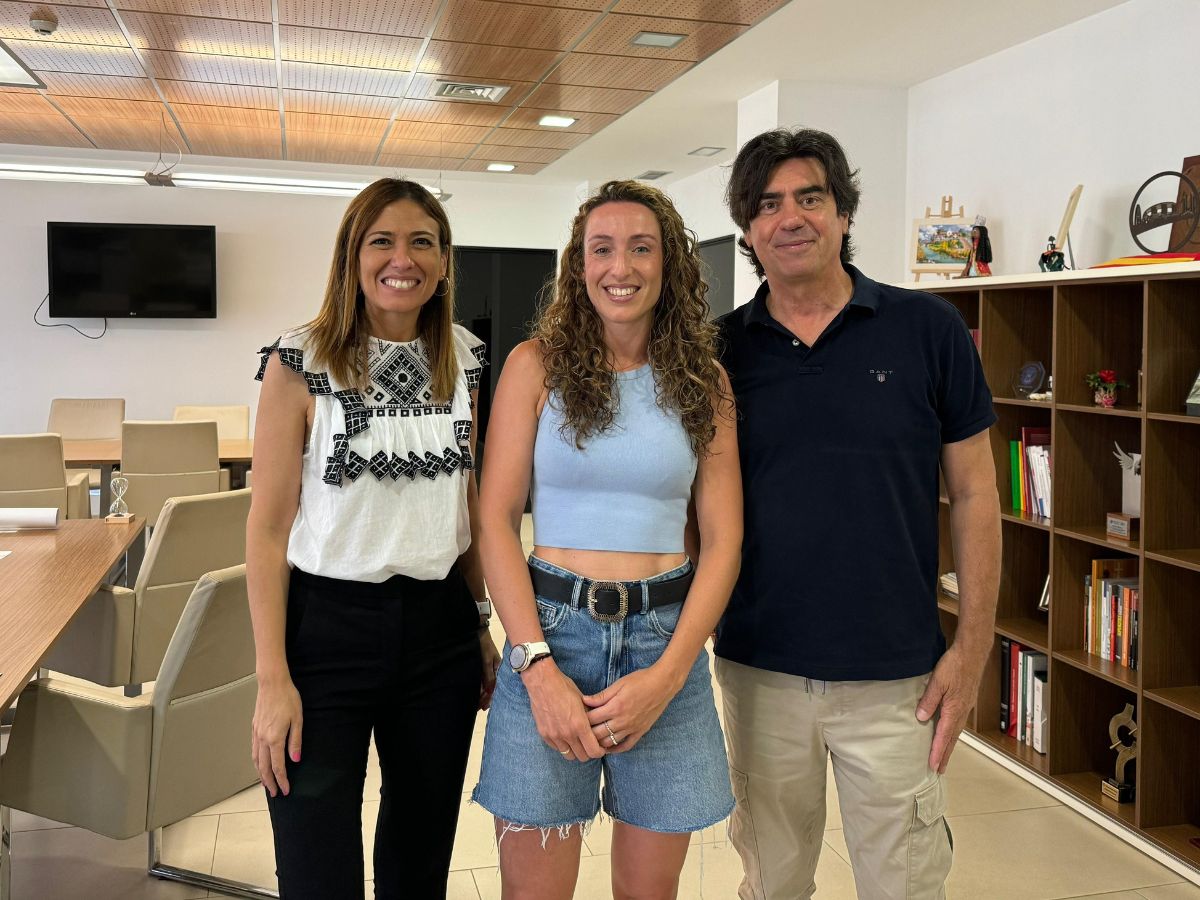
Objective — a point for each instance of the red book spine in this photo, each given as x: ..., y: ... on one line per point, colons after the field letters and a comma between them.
x: 1014, y: 687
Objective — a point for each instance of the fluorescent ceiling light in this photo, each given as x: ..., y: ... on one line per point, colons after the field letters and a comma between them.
x: 556, y: 121
x: 651, y: 175
x: 14, y: 72
x: 705, y: 151
x: 33, y: 172
x: 656, y: 39
x: 500, y: 167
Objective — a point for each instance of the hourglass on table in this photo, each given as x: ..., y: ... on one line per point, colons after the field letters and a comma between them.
x: 118, y: 511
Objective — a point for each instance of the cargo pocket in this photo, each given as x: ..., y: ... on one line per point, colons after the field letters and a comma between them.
x: 930, y: 845
x: 741, y: 832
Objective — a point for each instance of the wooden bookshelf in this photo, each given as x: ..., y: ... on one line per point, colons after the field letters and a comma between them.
x: 1143, y: 320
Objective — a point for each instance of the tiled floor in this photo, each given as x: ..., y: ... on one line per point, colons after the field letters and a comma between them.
x: 1012, y: 842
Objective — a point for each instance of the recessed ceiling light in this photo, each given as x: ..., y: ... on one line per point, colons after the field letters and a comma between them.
x: 705, y: 151
x: 656, y: 39
x: 500, y: 167
x: 476, y: 93
x: 651, y: 175
x: 556, y: 121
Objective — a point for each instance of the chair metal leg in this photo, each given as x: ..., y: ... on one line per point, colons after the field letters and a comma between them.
x: 5, y: 862
x: 226, y: 886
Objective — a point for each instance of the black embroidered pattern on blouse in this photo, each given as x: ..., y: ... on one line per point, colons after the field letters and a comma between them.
x: 401, y: 385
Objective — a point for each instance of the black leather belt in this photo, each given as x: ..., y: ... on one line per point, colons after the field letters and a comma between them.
x: 609, y: 601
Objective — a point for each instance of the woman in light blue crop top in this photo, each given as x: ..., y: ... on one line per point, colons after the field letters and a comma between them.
x: 619, y: 420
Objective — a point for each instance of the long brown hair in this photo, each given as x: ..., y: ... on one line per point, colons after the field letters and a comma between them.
x: 337, y: 336
x: 682, y: 346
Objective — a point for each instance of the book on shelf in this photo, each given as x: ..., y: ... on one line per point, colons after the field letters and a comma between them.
x: 1110, y: 613
x: 1029, y: 460
x: 1005, y: 657
x: 1036, y: 664
x: 1039, y: 712
x: 1021, y: 668
x: 949, y: 584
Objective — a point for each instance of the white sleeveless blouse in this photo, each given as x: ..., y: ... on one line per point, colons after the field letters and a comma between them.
x: 383, y: 485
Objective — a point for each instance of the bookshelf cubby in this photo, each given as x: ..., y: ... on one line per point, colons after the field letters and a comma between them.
x: 1143, y: 322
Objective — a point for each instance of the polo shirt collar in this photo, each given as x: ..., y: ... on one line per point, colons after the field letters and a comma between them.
x: 865, y: 297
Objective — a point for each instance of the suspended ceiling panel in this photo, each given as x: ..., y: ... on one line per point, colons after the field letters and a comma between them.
x: 350, y: 81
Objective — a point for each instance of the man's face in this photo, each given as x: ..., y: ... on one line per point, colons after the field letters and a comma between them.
x: 796, y: 232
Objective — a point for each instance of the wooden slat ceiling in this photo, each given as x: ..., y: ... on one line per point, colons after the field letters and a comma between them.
x: 349, y: 81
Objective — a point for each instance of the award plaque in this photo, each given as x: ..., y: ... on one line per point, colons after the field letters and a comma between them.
x: 1121, y: 527
x: 1122, y: 731
x: 1029, y: 380
x: 1192, y: 405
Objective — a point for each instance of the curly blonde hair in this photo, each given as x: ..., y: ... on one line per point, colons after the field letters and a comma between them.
x: 682, y: 346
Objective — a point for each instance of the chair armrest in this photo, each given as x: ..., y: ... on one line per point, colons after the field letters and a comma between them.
x: 80, y: 755
x: 98, y: 644
x: 79, y: 501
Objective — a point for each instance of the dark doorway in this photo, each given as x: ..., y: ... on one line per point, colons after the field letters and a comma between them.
x: 497, y: 294
x: 719, y: 256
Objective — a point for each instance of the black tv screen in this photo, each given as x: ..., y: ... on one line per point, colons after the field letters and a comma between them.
x: 147, y: 271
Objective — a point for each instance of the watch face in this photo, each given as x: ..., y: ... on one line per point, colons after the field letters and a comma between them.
x: 517, y: 657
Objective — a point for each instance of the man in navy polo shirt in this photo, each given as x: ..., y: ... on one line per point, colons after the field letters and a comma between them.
x: 851, y: 394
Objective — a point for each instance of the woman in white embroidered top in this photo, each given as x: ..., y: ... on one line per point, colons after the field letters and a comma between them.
x: 618, y: 417
x: 360, y: 560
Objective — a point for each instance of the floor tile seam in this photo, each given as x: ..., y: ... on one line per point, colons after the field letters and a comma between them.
x: 1001, y: 812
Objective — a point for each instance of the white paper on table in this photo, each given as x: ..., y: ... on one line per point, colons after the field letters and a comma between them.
x: 4, y: 553
x: 28, y: 518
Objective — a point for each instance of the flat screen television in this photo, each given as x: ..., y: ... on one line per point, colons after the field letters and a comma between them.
x: 146, y: 271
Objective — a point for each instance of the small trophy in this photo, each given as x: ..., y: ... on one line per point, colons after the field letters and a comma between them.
x: 1122, y: 730
x: 118, y: 510
x: 1028, y: 380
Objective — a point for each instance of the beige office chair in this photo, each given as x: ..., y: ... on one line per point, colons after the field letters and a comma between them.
x: 121, y: 766
x: 32, y: 474
x: 233, y: 424
x: 94, y: 419
x: 168, y: 459
x: 120, y: 635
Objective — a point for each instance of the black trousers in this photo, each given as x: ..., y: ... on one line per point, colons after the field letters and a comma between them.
x: 400, y: 659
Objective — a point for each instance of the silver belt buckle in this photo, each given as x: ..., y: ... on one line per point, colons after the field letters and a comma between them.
x: 622, y: 592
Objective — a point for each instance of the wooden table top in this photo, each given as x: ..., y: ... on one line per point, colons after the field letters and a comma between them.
x: 44, y: 582
x: 97, y: 453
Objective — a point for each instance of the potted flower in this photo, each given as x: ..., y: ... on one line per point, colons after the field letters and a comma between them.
x: 1104, y: 385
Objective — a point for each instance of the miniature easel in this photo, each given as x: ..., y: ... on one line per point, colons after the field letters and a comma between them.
x: 947, y: 212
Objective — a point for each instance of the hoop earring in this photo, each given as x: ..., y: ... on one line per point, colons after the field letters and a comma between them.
x: 443, y: 287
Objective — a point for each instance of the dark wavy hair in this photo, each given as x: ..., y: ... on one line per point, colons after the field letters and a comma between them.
x: 984, y: 251
x: 682, y: 345
x: 758, y: 159
x: 339, y: 332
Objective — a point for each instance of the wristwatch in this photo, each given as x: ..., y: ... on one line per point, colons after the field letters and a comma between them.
x: 522, y: 656
x: 485, y: 612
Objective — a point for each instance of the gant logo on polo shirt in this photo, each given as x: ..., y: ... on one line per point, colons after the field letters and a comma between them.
x: 881, y: 374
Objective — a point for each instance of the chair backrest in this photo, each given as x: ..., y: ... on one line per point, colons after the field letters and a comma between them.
x: 204, y: 702
x: 168, y: 459
x: 31, y: 471
x: 194, y: 535
x: 97, y: 419
x: 233, y: 422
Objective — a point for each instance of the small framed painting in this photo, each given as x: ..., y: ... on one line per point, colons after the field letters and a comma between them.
x: 941, y: 245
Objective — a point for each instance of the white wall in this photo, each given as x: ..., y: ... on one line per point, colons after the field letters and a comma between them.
x: 273, y: 253
x: 870, y: 124
x: 1105, y: 102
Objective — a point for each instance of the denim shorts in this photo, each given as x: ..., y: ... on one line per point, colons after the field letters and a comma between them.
x: 675, y: 779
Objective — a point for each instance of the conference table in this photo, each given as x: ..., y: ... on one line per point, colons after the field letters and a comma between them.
x: 44, y: 581
x: 105, y: 455
x: 45, y: 578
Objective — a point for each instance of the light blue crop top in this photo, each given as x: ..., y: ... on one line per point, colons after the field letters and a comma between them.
x: 628, y: 489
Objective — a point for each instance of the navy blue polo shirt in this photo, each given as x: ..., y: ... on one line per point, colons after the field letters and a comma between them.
x: 840, y: 445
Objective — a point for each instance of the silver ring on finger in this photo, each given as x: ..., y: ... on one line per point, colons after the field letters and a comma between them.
x: 566, y: 752
x: 612, y: 737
